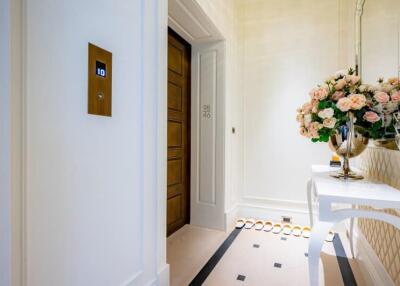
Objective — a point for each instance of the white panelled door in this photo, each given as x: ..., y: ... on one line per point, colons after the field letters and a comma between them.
x: 208, y: 114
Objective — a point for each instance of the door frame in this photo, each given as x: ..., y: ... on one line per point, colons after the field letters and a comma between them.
x: 186, y: 18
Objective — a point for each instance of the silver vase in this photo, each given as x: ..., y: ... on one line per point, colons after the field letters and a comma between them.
x: 348, y: 143
x: 397, y: 128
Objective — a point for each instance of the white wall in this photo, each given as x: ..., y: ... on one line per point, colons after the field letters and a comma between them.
x: 289, y: 47
x: 91, y: 182
x: 380, y: 39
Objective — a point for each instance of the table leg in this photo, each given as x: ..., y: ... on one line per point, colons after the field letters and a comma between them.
x: 318, y: 235
x: 351, y: 236
x: 309, y: 199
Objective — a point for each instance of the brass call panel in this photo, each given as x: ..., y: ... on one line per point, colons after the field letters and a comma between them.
x: 100, y: 81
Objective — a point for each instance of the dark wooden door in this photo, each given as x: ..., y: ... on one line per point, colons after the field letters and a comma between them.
x: 179, y: 54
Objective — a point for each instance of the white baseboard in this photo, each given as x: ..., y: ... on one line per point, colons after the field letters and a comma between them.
x: 268, y: 209
x: 230, y: 217
x: 371, y: 267
x: 163, y: 276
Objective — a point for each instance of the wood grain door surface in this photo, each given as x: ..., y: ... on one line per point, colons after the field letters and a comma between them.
x: 178, y: 169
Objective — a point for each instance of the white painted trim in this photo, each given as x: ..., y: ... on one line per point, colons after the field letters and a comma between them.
x: 17, y: 139
x: 162, y: 278
x: 370, y: 265
x: 162, y: 103
x: 230, y: 217
x: 154, y: 128
x: 186, y: 17
x: 275, y: 204
x: 5, y: 189
x: 133, y: 279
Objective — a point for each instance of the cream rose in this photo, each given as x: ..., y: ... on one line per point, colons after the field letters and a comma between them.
x: 371, y: 116
x: 300, y: 118
x: 344, y: 104
x: 364, y: 87
x: 326, y: 113
x: 307, y: 120
x: 340, y: 73
x: 340, y: 84
x: 385, y: 87
x: 358, y: 101
x: 353, y: 79
x: 381, y: 97
x: 329, y: 122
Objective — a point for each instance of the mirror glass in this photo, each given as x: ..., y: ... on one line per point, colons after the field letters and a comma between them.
x: 380, y: 38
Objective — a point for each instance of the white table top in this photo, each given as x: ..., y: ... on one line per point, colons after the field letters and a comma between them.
x: 358, y: 192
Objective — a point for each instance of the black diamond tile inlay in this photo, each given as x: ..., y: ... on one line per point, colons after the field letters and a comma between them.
x: 306, y: 254
x: 241, y: 277
x: 277, y: 265
x: 256, y: 245
x: 283, y: 238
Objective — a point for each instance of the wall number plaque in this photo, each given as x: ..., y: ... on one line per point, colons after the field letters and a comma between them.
x: 100, y: 82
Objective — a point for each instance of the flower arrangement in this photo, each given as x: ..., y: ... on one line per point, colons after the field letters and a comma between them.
x: 343, y: 93
x: 384, y: 102
x: 329, y: 105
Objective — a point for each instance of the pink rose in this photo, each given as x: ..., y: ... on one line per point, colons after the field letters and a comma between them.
x: 314, y: 105
x: 358, y: 101
x: 337, y: 95
x: 381, y: 97
x: 313, y: 129
x: 341, y: 83
x: 344, y: 104
x: 319, y: 93
x: 371, y: 116
x: 395, y: 96
x: 307, y: 107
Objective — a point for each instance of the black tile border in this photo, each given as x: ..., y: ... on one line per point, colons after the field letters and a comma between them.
x: 212, y: 262
x: 343, y: 261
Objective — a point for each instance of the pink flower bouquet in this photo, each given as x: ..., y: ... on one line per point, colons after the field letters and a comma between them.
x: 330, y: 104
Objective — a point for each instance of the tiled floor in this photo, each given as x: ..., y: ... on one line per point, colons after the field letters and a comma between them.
x: 189, y: 249
x: 254, y: 258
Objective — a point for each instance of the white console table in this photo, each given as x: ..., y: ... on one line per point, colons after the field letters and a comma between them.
x: 328, y: 191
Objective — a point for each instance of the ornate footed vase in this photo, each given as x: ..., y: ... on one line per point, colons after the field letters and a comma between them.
x: 348, y: 143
